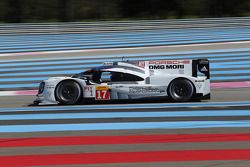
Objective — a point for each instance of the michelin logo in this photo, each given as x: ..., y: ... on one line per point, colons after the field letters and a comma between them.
x: 162, y: 67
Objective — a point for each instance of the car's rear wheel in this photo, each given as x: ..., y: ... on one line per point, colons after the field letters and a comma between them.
x: 68, y: 92
x: 181, y: 90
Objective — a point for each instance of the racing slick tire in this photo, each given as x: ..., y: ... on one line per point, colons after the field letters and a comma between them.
x: 181, y: 90
x: 68, y: 92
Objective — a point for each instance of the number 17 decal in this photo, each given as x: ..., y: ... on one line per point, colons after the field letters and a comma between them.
x: 102, y: 93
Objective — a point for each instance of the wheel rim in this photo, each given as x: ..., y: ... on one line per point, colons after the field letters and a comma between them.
x: 68, y: 93
x: 181, y: 90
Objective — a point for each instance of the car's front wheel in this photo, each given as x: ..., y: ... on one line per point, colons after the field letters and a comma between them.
x: 68, y: 92
x: 181, y: 90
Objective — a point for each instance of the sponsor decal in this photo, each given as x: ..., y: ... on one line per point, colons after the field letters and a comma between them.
x: 174, y: 62
x: 199, y: 80
x: 162, y: 67
x: 88, y: 90
x: 163, y: 62
x: 199, y: 85
x: 108, y: 63
x: 151, y: 72
x: 102, y: 93
x: 141, y: 64
x: 203, y: 69
x: 142, y: 90
x: 50, y: 86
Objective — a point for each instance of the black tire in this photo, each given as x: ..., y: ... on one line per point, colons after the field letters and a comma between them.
x: 181, y: 90
x: 68, y: 92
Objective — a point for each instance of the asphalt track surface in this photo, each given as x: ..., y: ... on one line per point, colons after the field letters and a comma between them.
x: 218, y: 95
x: 204, y: 145
x: 221, y: 144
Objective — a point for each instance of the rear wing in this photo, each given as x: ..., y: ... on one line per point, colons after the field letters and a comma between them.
x: 200, y: 67
x: 195, y: 68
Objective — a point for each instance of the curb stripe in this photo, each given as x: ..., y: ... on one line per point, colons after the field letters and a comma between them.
x: 125, y: 157
x: 131, y: 139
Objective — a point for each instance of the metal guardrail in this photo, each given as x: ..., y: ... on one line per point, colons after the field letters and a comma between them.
x: 110, y: 26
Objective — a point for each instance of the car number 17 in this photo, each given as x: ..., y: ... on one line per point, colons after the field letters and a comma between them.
x: 102, y: 93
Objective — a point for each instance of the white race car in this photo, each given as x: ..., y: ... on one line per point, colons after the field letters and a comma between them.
x: 178, y: 80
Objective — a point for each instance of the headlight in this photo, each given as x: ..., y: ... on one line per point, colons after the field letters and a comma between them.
x: 41, y: 87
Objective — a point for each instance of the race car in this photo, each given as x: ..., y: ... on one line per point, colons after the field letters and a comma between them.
x: 177, y: 80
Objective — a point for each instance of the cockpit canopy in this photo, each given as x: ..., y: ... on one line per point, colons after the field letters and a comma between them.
x: 113, y: 73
